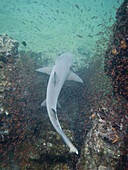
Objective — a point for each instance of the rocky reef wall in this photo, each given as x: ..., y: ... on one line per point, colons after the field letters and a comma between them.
x: 27, y: 139
x: 105, y: 144
x: 116, y: 57
x: 8, y: 55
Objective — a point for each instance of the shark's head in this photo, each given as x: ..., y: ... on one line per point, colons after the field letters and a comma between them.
x: 65, y: 59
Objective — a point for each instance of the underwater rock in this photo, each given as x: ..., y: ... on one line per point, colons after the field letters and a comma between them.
x: 59, y: 166
x: 8, y: 47
x: 116, y: 57
x: 116, y: 67
x: 1, y: 64
x: 55, y: 145
x: 3, y: 126
x: 51, y: 145
x: 102, y: 167
x: 48, y: 150
x: 20, y: 99
x: 104, y: 143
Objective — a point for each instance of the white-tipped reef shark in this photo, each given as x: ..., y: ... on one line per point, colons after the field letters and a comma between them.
x: 60, y: 72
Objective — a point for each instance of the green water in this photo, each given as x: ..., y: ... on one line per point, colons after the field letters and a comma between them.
x: 53, y: 26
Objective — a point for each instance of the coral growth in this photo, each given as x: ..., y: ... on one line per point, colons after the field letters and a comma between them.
x: 116, y: 59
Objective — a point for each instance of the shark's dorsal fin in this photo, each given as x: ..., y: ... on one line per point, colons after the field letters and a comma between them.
x: 74, y: 77
x: 46, y: 70
x: 54, y: 78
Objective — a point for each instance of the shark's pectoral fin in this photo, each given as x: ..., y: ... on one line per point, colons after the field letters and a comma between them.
x: 46, y: 70
x: 58, y: 105
x: 44, y: 104
x: 74, y: 77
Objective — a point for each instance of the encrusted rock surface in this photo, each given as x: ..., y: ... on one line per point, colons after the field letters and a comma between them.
x: 116, y: 57
x: 17, y: 94
x: 104, y: 143
x: 8, y: 49
x: 50, y: 148
x: 51, y: 145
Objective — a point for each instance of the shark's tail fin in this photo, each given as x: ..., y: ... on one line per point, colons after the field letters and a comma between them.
x: 74, y: 150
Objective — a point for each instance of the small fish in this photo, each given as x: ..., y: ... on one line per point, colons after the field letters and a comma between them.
x: 105, y: 13
x: 100, y: 25
x: 23, y: 23
x: 115, y: 7
x: 28, y: 11
x: 77, y: 6
x: 14, y: 5
x: 80, y: 36
x: 99, y: 33
x: 89, y: 35
x: 37, y: 28
x: 41, y: 17
x: 18, y: 10
x: 40, y: 22
x: 110, y: 18
x: 57, y: 11
x: 94, y: 17
x: 24, y: 43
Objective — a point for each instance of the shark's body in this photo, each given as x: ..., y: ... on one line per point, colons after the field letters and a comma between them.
x: 58, y: 74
